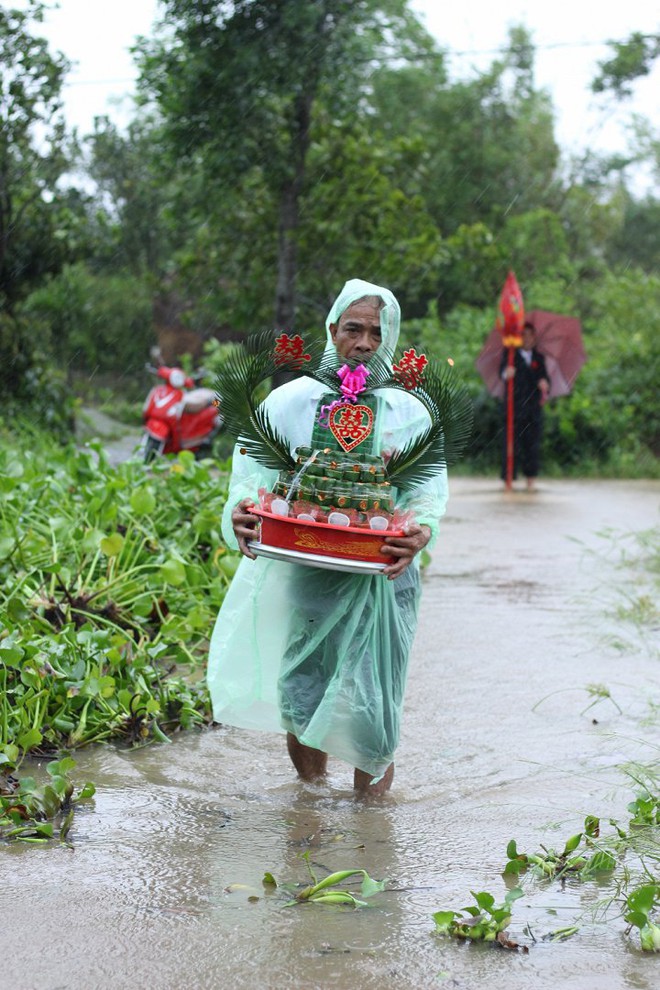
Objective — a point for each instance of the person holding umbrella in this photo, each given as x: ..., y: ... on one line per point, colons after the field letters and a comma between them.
x: 531, y: 387
x: 529, y: 356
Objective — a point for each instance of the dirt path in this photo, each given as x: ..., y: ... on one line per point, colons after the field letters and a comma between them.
x: 119, y: 440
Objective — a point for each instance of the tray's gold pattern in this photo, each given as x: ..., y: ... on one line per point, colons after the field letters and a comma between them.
x: 313, y: 541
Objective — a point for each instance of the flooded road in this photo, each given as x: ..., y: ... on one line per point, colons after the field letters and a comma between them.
x: 164, y: 889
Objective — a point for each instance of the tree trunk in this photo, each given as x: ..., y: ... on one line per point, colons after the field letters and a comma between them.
x: 287, y: 256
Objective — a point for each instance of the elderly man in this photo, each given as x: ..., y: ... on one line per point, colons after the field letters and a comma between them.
x: 320, y: 654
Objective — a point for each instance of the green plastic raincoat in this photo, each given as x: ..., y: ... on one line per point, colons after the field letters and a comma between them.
x: 320, y: 653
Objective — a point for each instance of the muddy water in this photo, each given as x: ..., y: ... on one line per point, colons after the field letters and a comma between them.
x: 514, y: 616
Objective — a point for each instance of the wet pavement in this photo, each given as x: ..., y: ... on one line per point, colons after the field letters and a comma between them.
x: 164, y: 889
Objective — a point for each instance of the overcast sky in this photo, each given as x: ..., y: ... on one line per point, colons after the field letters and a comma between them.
x: 570, y: 37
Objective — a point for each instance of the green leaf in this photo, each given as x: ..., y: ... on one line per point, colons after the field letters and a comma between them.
x: 143, y: 501
x: 86, y: 792
x: 173, y: 571
x: 650, y: 937
x: 572, y: 843
x: 11, y: 656
x: 28, y: 740
x: 63, y: 766
x: 444, y: 920
x: 112, y: 545
x: 371, y: 886
x: 600, y: 862
x: 592, y: 826
x: 484, y: 900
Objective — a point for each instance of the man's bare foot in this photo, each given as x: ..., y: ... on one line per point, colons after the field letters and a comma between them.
x: 310, y: 763
x: 362, y: 782
x: 531, y: 485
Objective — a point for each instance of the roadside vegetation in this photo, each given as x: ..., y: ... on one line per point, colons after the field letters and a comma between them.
x: 110, y: 582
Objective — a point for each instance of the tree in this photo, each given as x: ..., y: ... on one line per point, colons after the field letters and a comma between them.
x: 630, y: 59
x: 489, y: 142
x: 134, y: 193
x: 238, y: 85
x: 33, y: 155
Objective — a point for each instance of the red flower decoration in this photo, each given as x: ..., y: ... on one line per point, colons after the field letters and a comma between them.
x: 535, y: 364
x: 410, y: 369
x: 290, y: 350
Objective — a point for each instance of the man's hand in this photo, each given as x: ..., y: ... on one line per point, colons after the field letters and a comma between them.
x: 509, y: 372
x: 403, y: 548
x: 245, y: 526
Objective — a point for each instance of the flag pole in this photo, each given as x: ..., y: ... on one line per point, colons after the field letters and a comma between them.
x: 509, y: 422
x: 510, y: 322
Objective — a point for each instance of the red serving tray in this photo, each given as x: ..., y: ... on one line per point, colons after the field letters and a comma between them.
x: 322, y: 539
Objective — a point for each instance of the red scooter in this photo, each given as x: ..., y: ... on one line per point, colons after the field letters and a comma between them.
x: 178, y: 419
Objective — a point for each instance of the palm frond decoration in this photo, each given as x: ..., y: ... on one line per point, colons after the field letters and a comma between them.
x: 247, y: 367
x: 422, y: 459
x: 450, y: 409
x: 259, y: 358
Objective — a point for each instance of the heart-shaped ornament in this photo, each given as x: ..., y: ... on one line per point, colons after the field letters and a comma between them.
x: 351, y: 424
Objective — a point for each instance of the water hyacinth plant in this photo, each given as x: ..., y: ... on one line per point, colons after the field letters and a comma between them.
x: 329, y: 890
x: 581, y: 855
x: 28, y: 810
x: 110, y: 581
x: 484, y: 922
x: 641, y: 904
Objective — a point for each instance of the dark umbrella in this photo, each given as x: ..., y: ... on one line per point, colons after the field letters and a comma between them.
x: 558, y: 338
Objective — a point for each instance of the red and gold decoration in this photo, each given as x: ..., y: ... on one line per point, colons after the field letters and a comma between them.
x: 410, y: 369
x: 350, y: 425
x: 290, y: 351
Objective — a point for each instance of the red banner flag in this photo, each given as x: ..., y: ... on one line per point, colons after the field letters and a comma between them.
x: 511, y: 316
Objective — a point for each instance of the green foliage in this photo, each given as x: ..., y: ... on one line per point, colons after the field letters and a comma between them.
x: 485, y: 922
x: 330, y: 890
x: 110, y: 581
x: 263, y: 67
x: 630, y: 59
x: 27, y: 809
x: 134, y: 225
x: 34, y: 392
x: 489, y: 144
x: 637, y: 241
x: 582, y: 855
x: 361, y: 194
x: 35, y: 214
x: 645, y: 809
x: 625, y: 860
x: 640, y: 907
x: 93, y: 322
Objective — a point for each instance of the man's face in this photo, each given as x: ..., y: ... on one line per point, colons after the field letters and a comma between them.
x: 528, y: 338
x: 357, y: 334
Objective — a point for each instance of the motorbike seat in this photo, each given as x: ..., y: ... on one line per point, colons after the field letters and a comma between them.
x: 197, y: 399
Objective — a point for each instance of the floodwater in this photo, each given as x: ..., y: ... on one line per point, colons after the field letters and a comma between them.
x: 164, y: 889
